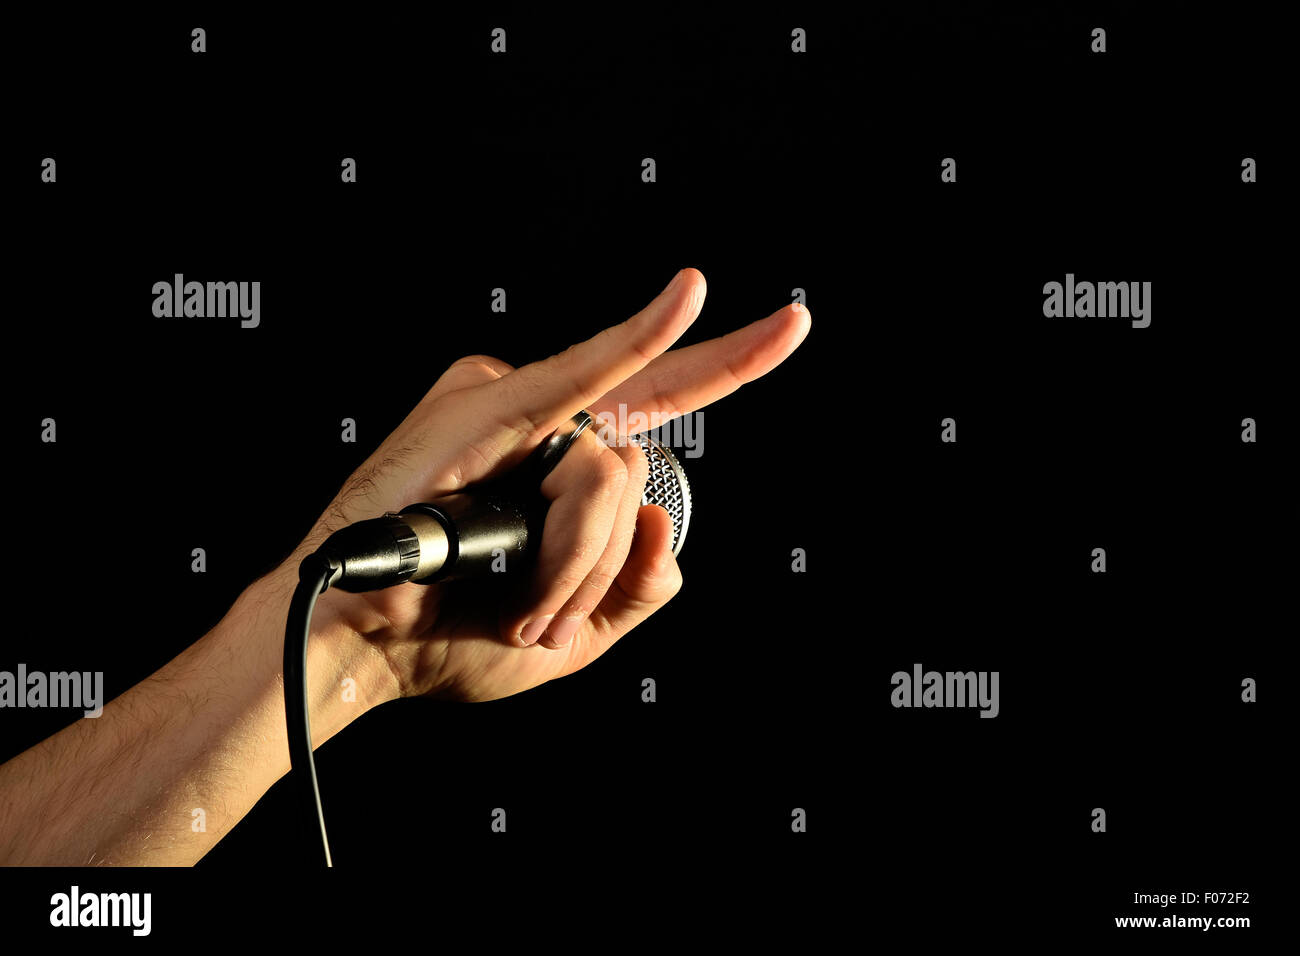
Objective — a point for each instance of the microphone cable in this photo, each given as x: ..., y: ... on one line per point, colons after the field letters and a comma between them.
x: 456, y: 536
x: 314, y: 575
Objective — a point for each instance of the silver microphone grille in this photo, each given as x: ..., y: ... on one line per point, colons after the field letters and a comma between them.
x: 666, y: 486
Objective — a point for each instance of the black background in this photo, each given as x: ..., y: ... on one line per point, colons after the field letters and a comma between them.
x: 775, y: 171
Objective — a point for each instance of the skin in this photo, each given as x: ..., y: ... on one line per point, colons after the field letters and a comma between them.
x: 207, y: 731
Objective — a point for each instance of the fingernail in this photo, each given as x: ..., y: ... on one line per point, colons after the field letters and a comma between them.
x: 673, y: 281
x: 562, y: 631
x: 534, y: 629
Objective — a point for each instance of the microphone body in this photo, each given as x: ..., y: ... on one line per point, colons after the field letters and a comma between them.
x: 466, y: 534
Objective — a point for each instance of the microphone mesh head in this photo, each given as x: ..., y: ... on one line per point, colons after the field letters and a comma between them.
x: 666, y: 486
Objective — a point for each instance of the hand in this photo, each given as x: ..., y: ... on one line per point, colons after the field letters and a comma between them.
x: 594, y: 579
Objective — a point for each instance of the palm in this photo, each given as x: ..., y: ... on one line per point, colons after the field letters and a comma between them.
x: 446, y: 641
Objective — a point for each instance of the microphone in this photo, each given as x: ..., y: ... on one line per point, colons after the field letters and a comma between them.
x: 463, y: 535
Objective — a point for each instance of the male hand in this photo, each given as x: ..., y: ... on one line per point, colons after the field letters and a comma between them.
x: 594, y: 579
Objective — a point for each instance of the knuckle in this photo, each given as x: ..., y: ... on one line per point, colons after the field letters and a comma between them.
x: 597, y: 583
x: 673, y: 582
x: 610, y: 471
x: 491, y: 362
x: 668, y: 576
x: 567, y: 581
x: 574, y: 562
x: 467, y: 371
x: 560, y: 362
x: 638, y: 467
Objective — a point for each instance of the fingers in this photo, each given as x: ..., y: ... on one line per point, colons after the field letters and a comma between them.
x: 684, y: 380
x: 597, y: 583
x: 538, y: 397
x: 649, y: 579
x: 585, y: 490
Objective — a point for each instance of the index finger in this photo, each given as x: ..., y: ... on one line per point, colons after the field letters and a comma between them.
x: 686, y: 379
x: 540, y: 396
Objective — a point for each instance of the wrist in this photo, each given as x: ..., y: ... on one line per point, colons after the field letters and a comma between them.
x: 346, y: 674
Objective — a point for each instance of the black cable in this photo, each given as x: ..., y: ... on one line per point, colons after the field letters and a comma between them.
x: 314, y: 575
x: 382, y: 552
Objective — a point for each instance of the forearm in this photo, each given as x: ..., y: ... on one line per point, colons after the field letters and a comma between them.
x: 205, y: 732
